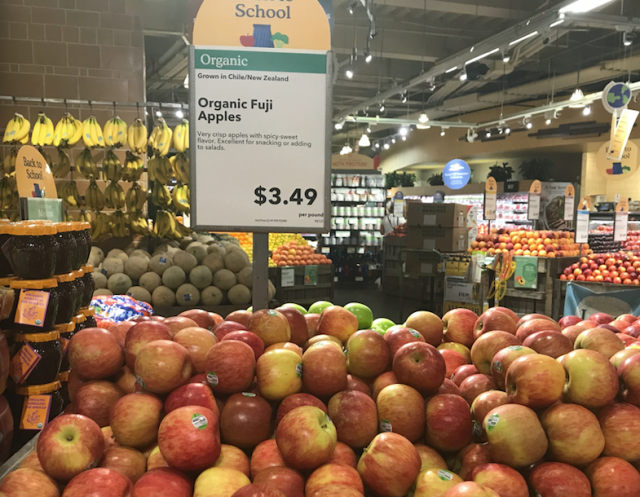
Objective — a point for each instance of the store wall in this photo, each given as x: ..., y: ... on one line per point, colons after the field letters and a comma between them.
x: 595, y: 180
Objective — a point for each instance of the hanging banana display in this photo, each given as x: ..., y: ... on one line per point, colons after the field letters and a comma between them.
x: 160, y: 170
x: 180, y: 198
x: 100, y: 227
x: 86, y: 166
x: 17, y: 130
x: 160, y: 139
x: 181, y: 136
x: 42, y: 133
x: 62, y: 167
x: 9, y: 162
x: 68, y: 192
x: 135, y: 198
x: 84, y: 217
x: 6, y: 194
x: 133, y: 168
x: 160, y: 196
x: 114, y: 196
x: 94, y: 197
x: 137, y: 137
x: 111, y: 167
x: 118, y: 224
x: 115, y: 132
x: 92, y: 133
x: 138, y: 223
x: 68, y: 131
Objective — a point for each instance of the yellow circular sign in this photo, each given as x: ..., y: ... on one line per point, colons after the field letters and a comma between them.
x: 618, y: 169
x: 33, y: 174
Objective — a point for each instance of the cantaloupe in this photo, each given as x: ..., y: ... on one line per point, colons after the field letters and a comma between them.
x: 112, y: 265
x: 271, y: 290
x: 119, y: 283
x: 173, y: 277
x: 98, y: 253
x: 120, y: 254
x: 139, y: 293
x: 185, y: 260
x: 216, y: 248
x: 140, y: 253
x: 160, y: 263
x: 245, y: 277
x: 135, y: 267
x: 102, y: 291
x: 185, y: 242
x: 211, y: 296
x: 206, y: 239
x: 187, y: 295
x: 214, y: 262
x: 239, y: 295
x: 150, y: 281
x: 198, y: 250
x: 236, y: 260
x: 224, y: 279
x: 163, y: 297
x: 99, y: 279
x: 200, y: 277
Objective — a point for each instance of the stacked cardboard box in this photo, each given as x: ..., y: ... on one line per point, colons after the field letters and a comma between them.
x: 441, y: 227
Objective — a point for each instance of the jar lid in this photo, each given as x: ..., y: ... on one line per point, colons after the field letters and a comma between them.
x: 36, y: 337
x: 85, y: 225
x: 77, y: 274
x: 63, y: 377
x: 34, y: 284
x: 80, y: 318
x: 7, y: 281
x: 65, y: 227
x: 5, y: 228
x: 87, y: 268
x: 39, y: 389
x: 65, y: 327
x: 20, y: 229
x: 88, y: 311
x: 65, y: 277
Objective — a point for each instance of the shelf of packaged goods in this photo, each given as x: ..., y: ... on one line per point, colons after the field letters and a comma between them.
x: 358, y: 188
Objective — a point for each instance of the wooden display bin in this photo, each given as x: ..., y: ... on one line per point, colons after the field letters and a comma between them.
x: 300, y: 293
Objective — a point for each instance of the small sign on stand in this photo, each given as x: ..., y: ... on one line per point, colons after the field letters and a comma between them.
x: 288, y: 277
x: 621, y: 221
x: 533, y: 210
x: 490, y: 199
x: 36, y: 187
x: 398, y: 204
x: 569, y: 202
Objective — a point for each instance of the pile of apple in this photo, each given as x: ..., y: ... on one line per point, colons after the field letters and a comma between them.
x: 621, y: 268
x: 528, y: 242
x: 633, y: 240
x: 330, y: 403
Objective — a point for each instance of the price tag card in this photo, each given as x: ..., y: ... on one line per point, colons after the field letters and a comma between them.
x: 569, y: 202
x: 35, y: 412
x: 582, y: 227
x: 23, y: 363
x: 490, y: 199
x: 311, y: 275
x: 533, y: 208
x: 621, y: 221
x: 288, y: 277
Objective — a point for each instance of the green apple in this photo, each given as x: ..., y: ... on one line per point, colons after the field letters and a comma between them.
x: 250, y: 309
x: 381, y: 325
x: 363, y: 313
x: 297, y: 307
x: 318, y: 307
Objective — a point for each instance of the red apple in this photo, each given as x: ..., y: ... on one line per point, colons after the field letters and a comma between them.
x: 459, y: 325
x: 279, y: 374
x: 324, y: 370
x: 476, y: 384
x: 428, y: 325
x: 234, y: 458
x: 230, y: 367
x: 99, y: 482
x: 420, y: 366
x: 430, y: 458
x: 227, y: 327
x: 125, y: 380
x: 265, y: 455
x: 483, y: 404
x: 337, y: 491
x: 613, y: 477
x: 163, y: 366
x: 338, y: 322
x: 355, y: 383
x: 343, y: 454
x: 567, y: 321
x: 197, y: 341
x: 297, y: 325
x: 453, y: 360
x: 401, y: 409
x: 604, y: 341
x: 618, y: 358
x: 384, y: 380
x: 257, y: 490
x: 592, y: 381
x: 135, y: 418
x: 355, y: 417
x: 530, y: 317
x: 620, y: 425
x: 95, y: 399
x: 333, y: 474
x: 312, y: 323
x: 487, y: 346
x: 289, y: 481
x: 163, y: 482
x: 629, y: 373
x: 251, y: 339
x: 449, y: 423
x: 435, y: 482
x: 242, y: 317
x: 572, y: 332
x: 397, y: 336
x: 493, y: 319
x: 502, y: 479
x: 535, y: 381
x: 120, y: 330
x: 601, y: 318
x: 550, y: 343
x: 470, y: 458
x: 298, y: 400
x: 633, y: 329
x: 270, y: 326
x: 245, y: 420
x: 126, y: 461
x: 553, y: 479
x: 191, y: 394
x: 202, y: 318
x: 626, y: 339
x: 94, y: 354
x: 141, y: 334
x: 177, y: 323
x: 24, y: 482
x: 368, y: 354
x: 73, y: 385
x: 534, y: 326
x: 462, y: 373
x: 457, y: 347
x: 32, y: 461
x: 503, y: 359
x: 514, y: 317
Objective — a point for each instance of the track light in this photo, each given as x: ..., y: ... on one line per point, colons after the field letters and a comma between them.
x: 339, y: 125
x: 393, y: 140
x: 404, y: 131
x: 529, y: 125
x: 576, y: 96
x: 364, y: 141
x: 506, y: 57
x: 405, y: 97
x: 442, y: 133
x: 548, y: 122
x: 369, y: 129
x: 432, y: 87
x: 386, y: 146
x: 628, y: 38
x: 488, y: 135
x: 352, y: 6
x: 158, y: 113
x: 382, y: 107
x: 404, y: 138
x: 349, y: 72
x: 463, y: 76
x: 367, y: 56
x: 179, y: 114
x: 377, y: 145
x: 507, y: 130
x: 586, y: 111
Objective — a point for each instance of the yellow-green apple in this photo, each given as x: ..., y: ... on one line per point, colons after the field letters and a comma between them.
x: 191, y: 394
x: 462, y: 373
x: 591, y: 380
x: 297, y: 325
x: 312, y: 321
x: 503, y: 359
x: 163, y: 482
x: 604, y: 341
x: 449, y: 425
x: 265, y: 455
x: 219, y: 482
x: 433, y: 482
x: 470, y: 489
x: 482, y: 405
x: 611, y: 477
x: 515, y: 435
x: 535, y: 381
x: 296, y: 306
x: 493, y: 319
x: 469, y: 458
x: 110, y: 482
x: 572, y: 332
x: 534, y: 326
x: 127, y: 461
x: 355, y: 383
x: 162, y: 366
x: 289, y: 481
x: 629, y: 374
x: 338, y: 322
x: 257, y: 490
x: 189, y: 438
x: 401, y: 409
x: 155, y: 460
x: 355, y: 417
x: 325, y: 370
x: 620, y: 425
x: 336, y: 491
x: 290, y: 346
x: 125, y: 380
x: 177, y: 323
x: 529, y: 317
x: 234, y: 458
x: 601, y: 318
x: 321, y: 338
x: 428, y: 324
x: 306, y: 438
x: 221, y: 330
x: 398, y: 335
x: 141, y: 334
x: 368, y: 354
x: 474, y: 385
x: 230, y: 367
x: 343, y: 454
x: 120, y: 330
x: 94, y: 354
x: 202, y: 318
x: 24, y: 482
x: 419, y: 365
x: 95, y: 399
x: 197, y: 341
x: 242, y: 317
x: 574, y: 434
x: 390, y: 465
x: 567, y: 321
x: 245, y: 420
x: 488, y: 345
x: 458, y: 326
x: 550, y: 343
x: 449, y: 386
x: 619, y: 357
x: 502, y: 479
x: 452, y: 360
x: 298, y: 400
x: 554, y: 479
x: 384, y: 380
x: 271, y: 326
x: 333, y: 474
x: 32, y: 461
x: 458, y: 347
x: 430, y: 458
x: 68, y: 445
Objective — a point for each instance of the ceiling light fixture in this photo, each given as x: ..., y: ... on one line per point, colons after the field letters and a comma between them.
x: 580, y: 6
x: 158, y: 113
x: 186, y: 82
x: 575, y: 97
x: 339, y: 125
x: 463, y: 76
x: 587, y: 110
x: 179, y: 114
x: 382, y: 107
x: 404, y: 138
x: 377, y: 145
x: 506, y: 57
x: 628, y: 38
x: 557, y: 23
x: 442, y: 133
x: 488, y: 134
x: 529, y: 125
x: 369, y: 129
x: 404, y: 131
x: 472, y: 49
x: 393, y: 140
x: 386, y: 146
x: 432, y: 87
x: 364, y: 141
x: 349, y: 72
x: 405, y: 96
x: 423, y: 118
x: 475, y: 59
x: 367, y: 56
x: 525, y: 37
x: 548, y: 122
x: 451, y: 70
x: 507, y: 130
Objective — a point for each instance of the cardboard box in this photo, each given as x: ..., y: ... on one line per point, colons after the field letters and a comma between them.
x: 446, y: 215
x: 441, y: 239
x: 423, y: 263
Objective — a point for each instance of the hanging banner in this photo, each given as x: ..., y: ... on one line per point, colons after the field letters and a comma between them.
x: 569, y: 202
x: 490, y: 199
x: 620, y: 137
x: 33, y: 175
x: 533, y: 209
x: 621, y: 221
x: 456, y: 174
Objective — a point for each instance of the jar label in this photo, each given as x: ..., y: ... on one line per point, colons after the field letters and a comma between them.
x: 35, y: 412
x: 23, y: 363
x: 199, y: 421
x: 32, y: 307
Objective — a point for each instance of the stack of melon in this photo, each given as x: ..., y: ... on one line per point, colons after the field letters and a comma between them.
x: 200, y: 272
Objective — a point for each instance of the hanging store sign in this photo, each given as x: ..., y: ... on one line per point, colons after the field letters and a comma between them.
x: 33, y: 175
x: 621, y: 133
x: 456, y: 174
x: 618, y: 169
x: 490, y: 199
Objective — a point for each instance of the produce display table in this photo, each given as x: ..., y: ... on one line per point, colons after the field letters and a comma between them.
x: 300, y: 292
x: 223, y: 310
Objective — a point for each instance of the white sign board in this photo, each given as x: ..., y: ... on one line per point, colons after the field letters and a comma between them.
x: 260, y: 159
x: 533, y: 210
x: 490, y: 202
x: 288, y: 277
x: 582, y: 227
x: 569, y: 205
x: 621, y: 227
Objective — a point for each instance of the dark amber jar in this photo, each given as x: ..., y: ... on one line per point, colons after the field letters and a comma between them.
x: 45, y: 345
x: 68, y: 298
x: 33, y: 249
x: 89, y: 285
x: 35, y: 306
x: 68, y: 253
x: 80, y: 322
x: 79, y: 289
x: 5, y: 265
x: 83, y: 238
x: 64, y: 343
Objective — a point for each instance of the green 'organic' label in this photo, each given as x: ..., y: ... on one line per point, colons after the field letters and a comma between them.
x: 492, y: 421
x: 445, y: 475
x: 199, y: 421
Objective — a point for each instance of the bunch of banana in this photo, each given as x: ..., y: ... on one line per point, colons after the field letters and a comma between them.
x: 118, y: 224
x: 9, y: 163
x: 138, y: 223
x: 92, y: 133
x: 4, y: 215
x: 42, y: 133
x: 100, y: 227
x: 67, y: 217
x: 62, y: 167
x: 15, y: 200
x: 135, y: 198
x: 160, y: 139
x: 165, y: 226
x: 86, y: 166
x: 6, y: 194
x: 133, y: 167
x: 181, y: 136
x: 160, y: 169
x: 137, y: 137
x: 68, y: 131
x: 180, y: 163
x: 161, y: 197
x: 94, y: 196
x: 181, y: 198
x: 68, y: 192
x: 17, y: 130
x: 181, y: 228
x: 47, y: 157
x: 111, y: 167
x: 114, y: 196
x: 115, y: 132
x: 84, y: 216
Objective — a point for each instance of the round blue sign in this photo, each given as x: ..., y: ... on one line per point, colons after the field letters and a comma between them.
x: 456, y: 174
x: 616, y: 96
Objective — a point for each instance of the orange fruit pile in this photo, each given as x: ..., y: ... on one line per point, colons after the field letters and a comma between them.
x: 292, y: 254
